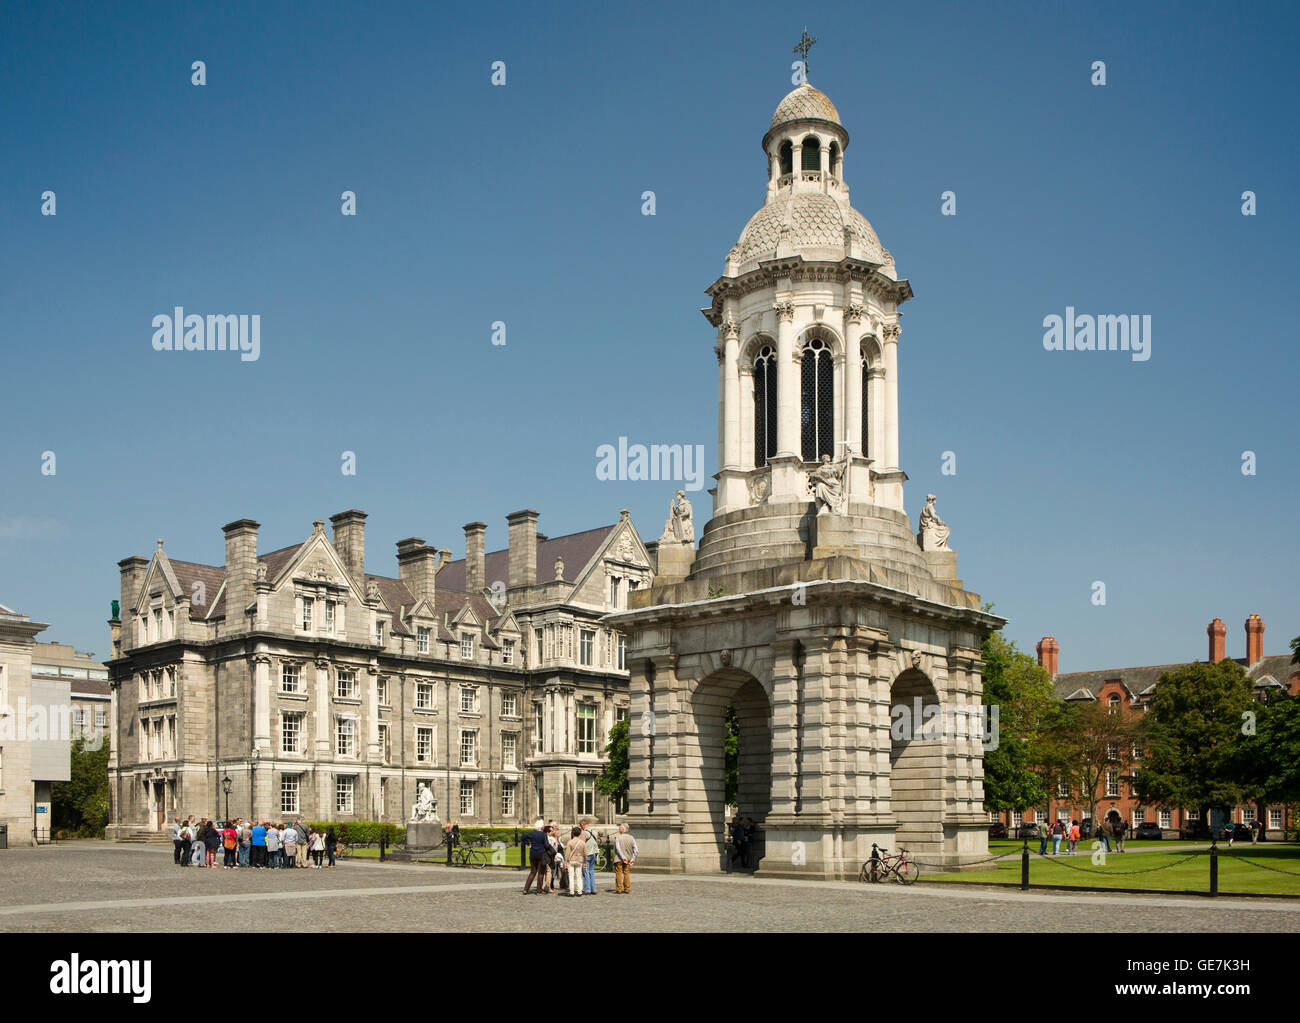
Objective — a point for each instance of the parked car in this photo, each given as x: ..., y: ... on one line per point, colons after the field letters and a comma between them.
x: 1149, y: 829
x: 998, y: 830
x: 1027, y: 831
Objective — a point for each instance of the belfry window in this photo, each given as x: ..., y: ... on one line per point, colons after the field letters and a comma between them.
x: 786, y: 156
x: 812, y: 153
x: 866, y: 405
x: 817, y: 407
x: 836, y: 156
x: 764, y: 406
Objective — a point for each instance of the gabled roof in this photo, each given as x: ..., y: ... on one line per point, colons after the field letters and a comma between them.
x: 1142, y: 680
x: 447, y: 604
x: 576, y: 549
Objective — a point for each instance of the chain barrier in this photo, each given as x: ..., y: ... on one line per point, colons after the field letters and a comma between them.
x: 1261, y: 866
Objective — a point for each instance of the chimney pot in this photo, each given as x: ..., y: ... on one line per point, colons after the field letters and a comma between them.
x: 1217, y: 632
x: 523, y: 547
x: 350, y: 542
x: 475, y: 559
x: 1254, y: 640
x: 1048, y: 654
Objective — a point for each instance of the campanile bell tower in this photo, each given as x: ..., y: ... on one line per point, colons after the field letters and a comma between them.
x: 812, y: 613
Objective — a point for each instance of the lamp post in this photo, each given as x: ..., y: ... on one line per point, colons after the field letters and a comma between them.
x: 225, y: 787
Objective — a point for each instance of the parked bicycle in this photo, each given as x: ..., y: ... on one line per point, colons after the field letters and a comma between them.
x: 883, y: 867
x: 464, y: 856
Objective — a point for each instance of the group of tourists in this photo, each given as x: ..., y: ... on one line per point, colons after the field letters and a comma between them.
x: 742, y: 838
x: 558, y: 861
x: 258, y: 844
x: 1070, y: 832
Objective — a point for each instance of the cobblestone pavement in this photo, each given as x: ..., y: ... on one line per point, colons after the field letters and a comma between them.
x: 94, y: 886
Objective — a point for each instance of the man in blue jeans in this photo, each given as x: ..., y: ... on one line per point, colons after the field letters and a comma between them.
x: 589, y: 866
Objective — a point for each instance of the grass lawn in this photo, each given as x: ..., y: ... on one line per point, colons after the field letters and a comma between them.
x: 1189, y: 875
x: 511, y: 854
x: 1000, y: 846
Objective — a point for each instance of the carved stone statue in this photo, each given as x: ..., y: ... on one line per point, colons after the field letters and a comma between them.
x: 372, y: 591
x: 559, y: 569
x: 426, y: 807
x: 827, y: 485
x: 934, y: 534
x: 261, y: 572
x: 680, y: 527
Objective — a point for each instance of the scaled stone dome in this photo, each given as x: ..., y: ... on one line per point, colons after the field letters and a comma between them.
x: 805, y: 103
x: 814, y: 225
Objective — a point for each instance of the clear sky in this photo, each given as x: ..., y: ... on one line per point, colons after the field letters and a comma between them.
x: 522, y: 203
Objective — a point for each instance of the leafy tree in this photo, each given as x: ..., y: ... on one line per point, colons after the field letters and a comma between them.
x: 81, y: 805
x: 1295, y: 650
x: 731, y: 756
x: 1264, y: 758
x: 1193, y: 722
x: 613, y: 779
x: 1081, y: 741
x: 1021, y: 691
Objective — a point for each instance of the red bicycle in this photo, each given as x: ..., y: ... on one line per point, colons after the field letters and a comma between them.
x: 882, y: 867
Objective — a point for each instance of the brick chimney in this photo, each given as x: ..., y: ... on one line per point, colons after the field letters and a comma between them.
x: 1217, y: 632
x: 133, y: 570
x: 474, y: 558
x: 1048, y: 654
x: 350, y: 542
x: 241, y: 571
x: 417, y: 567
x: 1254, y: 640
x: 523, y: 547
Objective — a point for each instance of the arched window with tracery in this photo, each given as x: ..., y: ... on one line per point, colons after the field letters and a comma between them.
x: 817, y: 405
x: 786, y: 156
x: 764, y: 406
x: 866, y: 403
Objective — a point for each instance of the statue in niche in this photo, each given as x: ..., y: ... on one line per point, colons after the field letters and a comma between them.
x: 680, y: 527
x: 559, y: 570
x: 827, y: 485
x: 934, y: 534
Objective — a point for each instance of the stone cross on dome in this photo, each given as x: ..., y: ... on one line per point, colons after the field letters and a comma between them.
x: 805, y: 44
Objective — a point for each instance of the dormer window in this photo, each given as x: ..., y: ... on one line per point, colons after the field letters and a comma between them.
x: 308, y: 605
x: 422, y: 639
x: 379, y: 631
x: 466, y: 646
x: 329, y: 615
x: 508, y: 651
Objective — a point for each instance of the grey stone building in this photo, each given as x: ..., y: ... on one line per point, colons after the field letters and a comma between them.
x: 321, y: 691
x: 842, y: 639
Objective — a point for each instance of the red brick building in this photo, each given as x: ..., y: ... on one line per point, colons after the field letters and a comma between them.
x: 1131, y: 689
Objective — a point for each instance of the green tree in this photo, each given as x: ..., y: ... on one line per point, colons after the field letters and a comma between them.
x: 80, y: 805
x: 731, y: 756
x: 1193, y: 722
x: 1021, y: 691
x: 1264, y: 758
x: 1081, y: 741
x: 612, y: 782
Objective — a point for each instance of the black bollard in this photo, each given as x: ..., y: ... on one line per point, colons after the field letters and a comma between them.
x: 1024, y: 867
x: 383, y: 847
x: 1214, y: 868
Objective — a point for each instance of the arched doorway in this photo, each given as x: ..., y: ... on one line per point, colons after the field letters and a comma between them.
x: 703, y: 782
x: 916, y: 763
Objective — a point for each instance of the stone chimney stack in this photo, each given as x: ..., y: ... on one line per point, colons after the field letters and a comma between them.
x: 1218, y: 633
x: 523, y: 548
x: 350, y: 542
x: 417, y: 566
x: 241, y: 571
x: 474, y: 558
x: 1254, y: 640
x: 1048, y: 654
x: 133, y: 570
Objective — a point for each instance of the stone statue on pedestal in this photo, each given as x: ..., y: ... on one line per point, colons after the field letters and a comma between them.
x: 680, y: 527
x: 425, y: 809
x: 827, y: 485
x: 934, y: 534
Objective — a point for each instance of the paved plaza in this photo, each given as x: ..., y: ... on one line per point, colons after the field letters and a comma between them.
x: 94, y: 886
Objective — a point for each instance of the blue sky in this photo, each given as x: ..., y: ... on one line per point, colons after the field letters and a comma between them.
x: 522, y: 204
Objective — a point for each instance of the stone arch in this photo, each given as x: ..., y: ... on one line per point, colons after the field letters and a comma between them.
x: 702, y: 777
x: 916, y: 763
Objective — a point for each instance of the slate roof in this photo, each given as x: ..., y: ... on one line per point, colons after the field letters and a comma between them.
x: 1074, y: 684
x: 447, y: 604
x: 577, y: 549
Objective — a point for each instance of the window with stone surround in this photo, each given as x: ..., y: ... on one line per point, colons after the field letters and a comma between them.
x: 422, y: 639
x: 1112, y: 783
x: 424, y: 696
x: 1274, y: 817
x: 290, y: 787
x: 509, y: 705
x: 539, y: 725
x: 1139, y: 815
x: 469, y: 700
x: 308, y: 605
x: 469, y: 747
x: 507, y: 651
x: 329, y: 615
x: 509, y: 749
x: 345, y: 789
x: 101, y: 717
x: 586, y: 644
x: 1165, y: 818
x: 346, y: 685
x: 345, y: 736
x: 540, y: 636
x: 586, y: 728
x: 379, y: 631
x: 466, y: 798
x: 622, y: 653
x: 586, y: 795
x: 385, y: 743
x: 507, y: 799
x: 290, y: 681
x: 466, y: 646
x: 381, y: 690
x: 171, y: 681
x: 291, y: 732
x: 424, y: 745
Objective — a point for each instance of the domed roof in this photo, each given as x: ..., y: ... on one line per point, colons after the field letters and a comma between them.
x: 809, y: 224
x: 805, y: 103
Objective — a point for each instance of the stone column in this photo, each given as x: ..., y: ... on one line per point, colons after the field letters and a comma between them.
x: 853, y: 380
x: 785, y: 731
x: 729, y: 335
x: 261, y: 700
x: 890, y: 345
x: 876, y: 409
x: 787, y: 383
x: 825, y: 163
